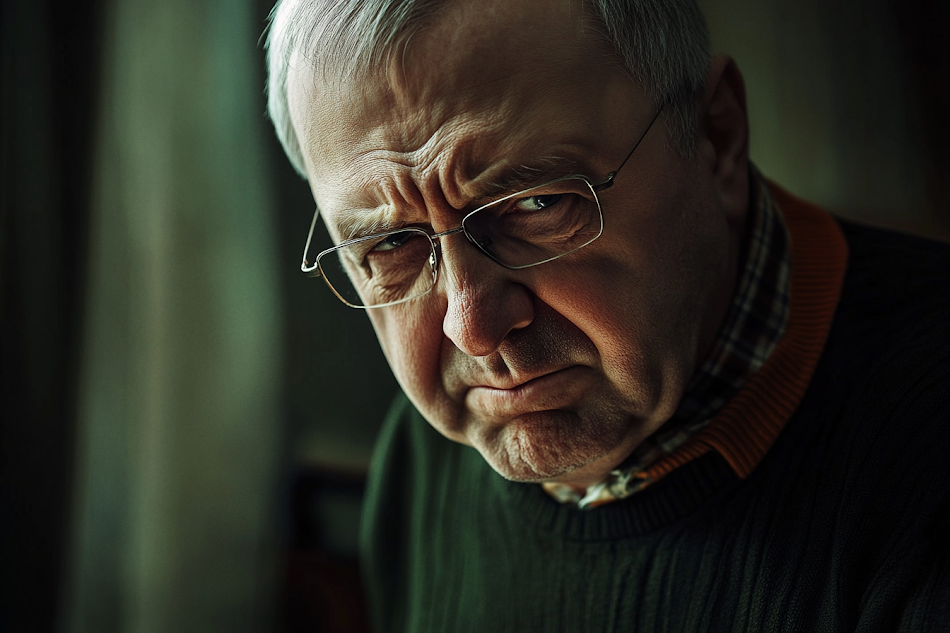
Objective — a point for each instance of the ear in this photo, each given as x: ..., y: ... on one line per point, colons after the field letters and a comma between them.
x: 724, y: 136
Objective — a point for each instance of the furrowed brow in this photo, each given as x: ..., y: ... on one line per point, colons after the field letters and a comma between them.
x: 358, y: 223
x: 520, y: 177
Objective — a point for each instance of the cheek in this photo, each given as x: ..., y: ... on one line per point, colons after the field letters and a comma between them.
x: 411, y: 339
x: 643, y: 295
x: 612, y: 303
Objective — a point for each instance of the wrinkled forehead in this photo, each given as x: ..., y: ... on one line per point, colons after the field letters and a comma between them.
x: 487, y: 47
x: 468, y: 59
x: 447, y: 38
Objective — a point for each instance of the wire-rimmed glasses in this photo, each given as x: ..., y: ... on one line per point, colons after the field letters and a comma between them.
x: 523, y: 229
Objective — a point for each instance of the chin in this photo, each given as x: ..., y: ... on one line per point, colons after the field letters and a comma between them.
x: 545, y: 445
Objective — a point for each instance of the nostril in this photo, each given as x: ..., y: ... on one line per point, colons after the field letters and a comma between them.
x: 479, y: 317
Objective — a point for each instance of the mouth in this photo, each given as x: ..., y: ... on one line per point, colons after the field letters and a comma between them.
x: 559, y: 389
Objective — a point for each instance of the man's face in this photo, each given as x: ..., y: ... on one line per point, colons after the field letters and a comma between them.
x: 556, y: 372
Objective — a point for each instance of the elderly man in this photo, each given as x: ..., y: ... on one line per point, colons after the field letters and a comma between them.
x: 695, y: 401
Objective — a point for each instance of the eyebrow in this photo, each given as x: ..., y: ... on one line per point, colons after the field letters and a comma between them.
x: 357, y: 223
x: 524, y: 176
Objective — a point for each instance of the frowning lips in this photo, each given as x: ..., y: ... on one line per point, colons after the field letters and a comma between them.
x: 505, y: 399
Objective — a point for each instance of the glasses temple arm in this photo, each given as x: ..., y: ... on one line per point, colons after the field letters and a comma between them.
x: 304, y: 265
x: 608, y: 183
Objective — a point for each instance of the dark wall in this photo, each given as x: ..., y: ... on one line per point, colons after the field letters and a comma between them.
x: 923, y: 27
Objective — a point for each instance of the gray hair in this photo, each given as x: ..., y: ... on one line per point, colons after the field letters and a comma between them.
x: 663, y: 44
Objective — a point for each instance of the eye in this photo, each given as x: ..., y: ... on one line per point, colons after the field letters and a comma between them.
x: 538, y: 203
x: 394, y: 241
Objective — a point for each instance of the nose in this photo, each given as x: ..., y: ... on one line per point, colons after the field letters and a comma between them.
x: 484, y: 302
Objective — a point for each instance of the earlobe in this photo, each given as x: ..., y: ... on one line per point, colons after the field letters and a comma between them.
x: 724, y: 129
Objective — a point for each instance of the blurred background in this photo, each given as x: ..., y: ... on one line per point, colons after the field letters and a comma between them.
x: 186, y: 419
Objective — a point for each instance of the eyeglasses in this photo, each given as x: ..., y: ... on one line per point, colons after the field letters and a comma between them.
x: 520, y: 230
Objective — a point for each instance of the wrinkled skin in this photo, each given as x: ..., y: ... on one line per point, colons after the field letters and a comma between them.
x: 556, y: 372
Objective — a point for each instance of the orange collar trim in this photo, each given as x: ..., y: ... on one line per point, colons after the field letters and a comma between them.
x: 749, y: 424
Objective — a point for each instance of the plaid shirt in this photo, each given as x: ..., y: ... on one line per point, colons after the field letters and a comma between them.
x: 754, y: 325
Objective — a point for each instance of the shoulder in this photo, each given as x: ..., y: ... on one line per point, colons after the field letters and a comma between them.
x: 405, y: 451
x: 895, y: 302
x: 395, y: 506
x: 883, y: 381
x: 866, y: 450
x: 900, y: 272
x: 881, y: 389
x: 414, y: 468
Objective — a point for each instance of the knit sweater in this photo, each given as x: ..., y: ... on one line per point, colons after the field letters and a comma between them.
x: 818, y: 500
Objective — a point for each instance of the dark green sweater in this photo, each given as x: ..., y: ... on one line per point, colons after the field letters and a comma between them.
x: 844, y: 524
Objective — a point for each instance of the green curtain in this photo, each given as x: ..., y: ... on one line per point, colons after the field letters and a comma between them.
x: 179, y: 435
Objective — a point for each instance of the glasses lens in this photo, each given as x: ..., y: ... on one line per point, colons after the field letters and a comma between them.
x: 538, y: 224
x: 381, y: 270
